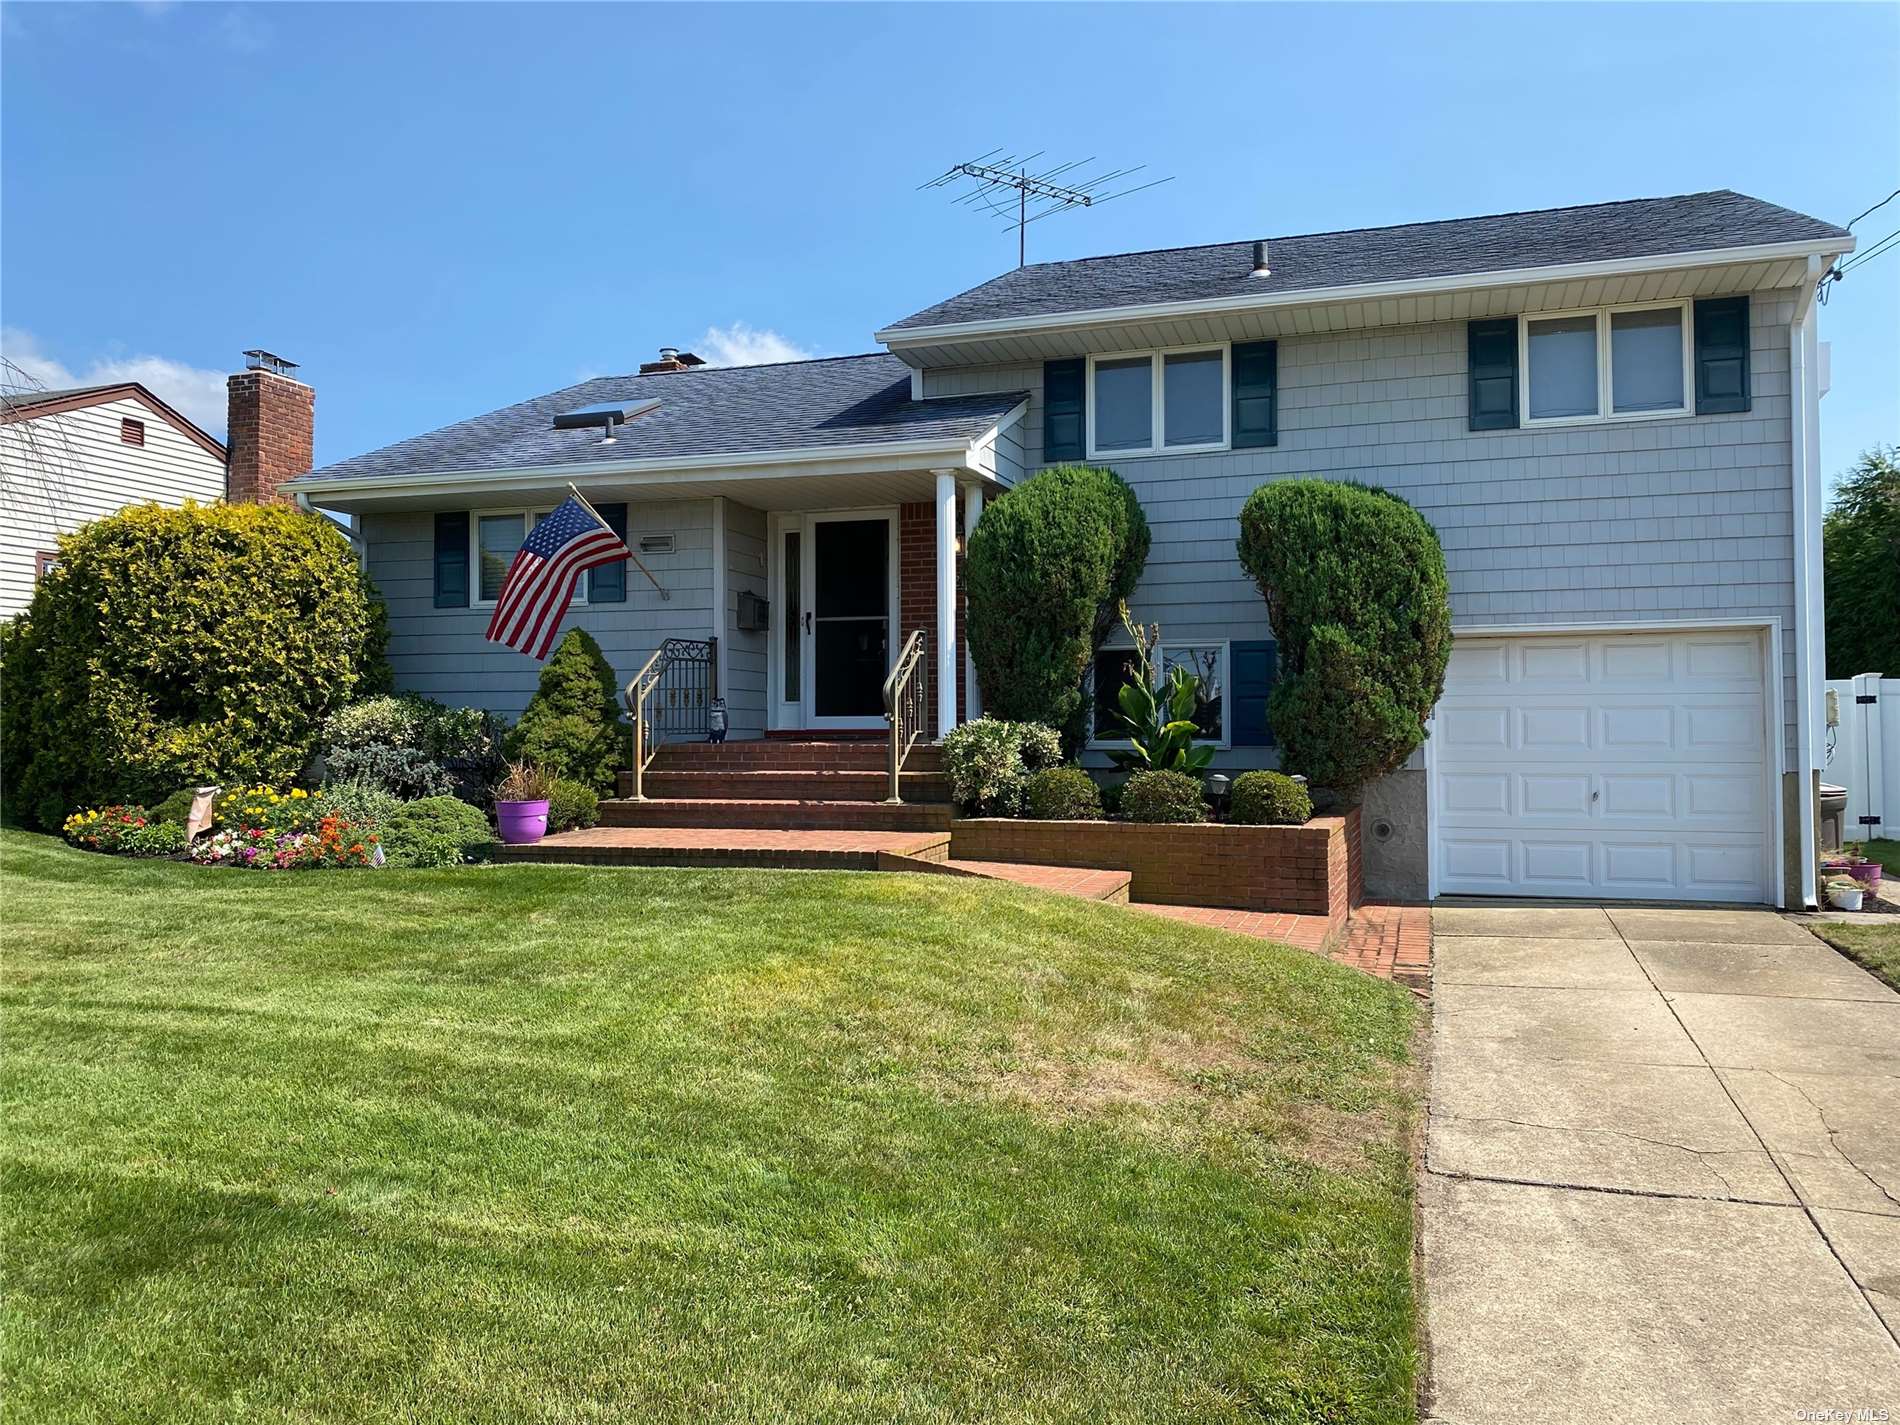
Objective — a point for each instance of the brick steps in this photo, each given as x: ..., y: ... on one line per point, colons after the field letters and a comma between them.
x: 785, y: 784
x: 1093, y: 885
x: 762, y: 812
x: 779, y: 756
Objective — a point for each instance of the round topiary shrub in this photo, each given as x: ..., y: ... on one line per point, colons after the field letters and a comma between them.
x: 1047, y: 566
x: 1062, y: 794
x: 571, y: 804
x: 989, y: 762
x: 436, y: 831
x: 1163, y: 798
x: 169, y: 646
x: 572, y: 725
x: 1356, y: 593
x: 1268, y: 799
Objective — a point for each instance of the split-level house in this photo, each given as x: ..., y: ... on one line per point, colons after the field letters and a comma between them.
x: 1609, y: 414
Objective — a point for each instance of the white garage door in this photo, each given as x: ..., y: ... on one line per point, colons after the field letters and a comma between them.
x: 1627, y: 765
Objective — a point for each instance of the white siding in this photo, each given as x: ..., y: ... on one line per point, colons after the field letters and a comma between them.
x: 62, y: 471
x: 1636, y: 522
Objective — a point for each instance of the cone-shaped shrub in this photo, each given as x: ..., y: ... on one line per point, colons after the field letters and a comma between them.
x: 572, y: 725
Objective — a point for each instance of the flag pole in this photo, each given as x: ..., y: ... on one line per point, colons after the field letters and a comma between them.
x: 630, y: 554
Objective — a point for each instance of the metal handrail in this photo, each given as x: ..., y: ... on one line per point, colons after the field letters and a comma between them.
x: 906, y: 705
x: 693, y: 666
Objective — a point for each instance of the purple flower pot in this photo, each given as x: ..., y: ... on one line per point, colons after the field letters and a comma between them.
x: 522, y: 823
x: 1868, y: 874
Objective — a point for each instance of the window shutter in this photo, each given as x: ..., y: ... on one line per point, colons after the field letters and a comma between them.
x: 451, y: 560
x: 1252, y: 671
x: 1492, y: 346
x: 1721, y: 355
x: 608, y: 583
x: 1064, y: 406
x: 1256, y: 393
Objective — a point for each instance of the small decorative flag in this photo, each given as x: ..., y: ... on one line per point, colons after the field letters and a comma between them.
x: 540, y: 581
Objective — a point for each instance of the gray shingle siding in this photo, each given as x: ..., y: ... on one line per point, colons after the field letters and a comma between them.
x: 1644, y: 521
x: 745, y: 652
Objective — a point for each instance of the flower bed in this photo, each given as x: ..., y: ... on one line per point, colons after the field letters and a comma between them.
x: 1304, y: 870
x: 334, y: 843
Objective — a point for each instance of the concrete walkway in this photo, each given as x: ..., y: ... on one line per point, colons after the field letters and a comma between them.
x: 1663, y: 1170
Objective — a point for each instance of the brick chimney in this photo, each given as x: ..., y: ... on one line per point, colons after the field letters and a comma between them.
x: 672, y: 359
x: 272, y: 422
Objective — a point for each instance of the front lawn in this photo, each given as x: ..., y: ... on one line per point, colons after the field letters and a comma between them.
x: 1875, y: 948
x: 541, y: 1143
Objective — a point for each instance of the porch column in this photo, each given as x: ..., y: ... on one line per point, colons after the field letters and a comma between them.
x: 973, y: 697
x: 946, y: 602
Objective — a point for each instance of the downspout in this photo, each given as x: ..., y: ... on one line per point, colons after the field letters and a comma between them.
x: 1810, y: 644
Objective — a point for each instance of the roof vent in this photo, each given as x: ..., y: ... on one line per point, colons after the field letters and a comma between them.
x: 607, y: 416
x: 1260, y: 268
x: 258, y: 359
x: 672, y: 359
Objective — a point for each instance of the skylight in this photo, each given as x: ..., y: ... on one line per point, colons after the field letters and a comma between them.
x: 607, y: 414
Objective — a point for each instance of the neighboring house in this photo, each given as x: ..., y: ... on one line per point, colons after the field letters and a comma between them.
x: 1608, y: 413
x: 70, y: 456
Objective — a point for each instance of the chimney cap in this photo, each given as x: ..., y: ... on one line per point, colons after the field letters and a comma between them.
x: 258, y: 359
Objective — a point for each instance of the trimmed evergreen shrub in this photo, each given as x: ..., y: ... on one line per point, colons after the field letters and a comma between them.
x: 1162, y: 798
x: 572, y: 725
x: 1356, y: 593
x: 1268, y: 799
x: 571, y: 804
x: 401, y: 771
x: 414, y: 747
x: 359, y: 803
x: 989, y: 761
x: 1047, y: 566
x: 175, y: 808
x: 436, y: 831
x: 1062, y: 794
x: 169, y: 646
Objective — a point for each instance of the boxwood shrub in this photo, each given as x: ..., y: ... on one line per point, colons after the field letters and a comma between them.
x: 1062, y: 794
x: 989, y: 762
x: 571, y: 804
x: 1268, y: 799
x: 1163, y: 797
x: 435, y: 831
x: 169, y: 646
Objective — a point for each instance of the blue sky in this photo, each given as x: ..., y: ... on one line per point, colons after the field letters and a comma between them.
x: 439, y: 209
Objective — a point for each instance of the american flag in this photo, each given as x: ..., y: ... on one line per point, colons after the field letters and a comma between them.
x: 540, y: 581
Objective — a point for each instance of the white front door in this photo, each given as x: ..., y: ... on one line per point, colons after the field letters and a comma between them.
x: 836, y: 581
x: 1621, y: 765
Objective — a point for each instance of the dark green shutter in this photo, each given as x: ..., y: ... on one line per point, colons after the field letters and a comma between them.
x: 1721, y: 355
x: 1064, y: 408
x: 1252, y: 665
x: 1256, y: 393
x: 451, y: 560
x: 1492, y: 347
x: 608, y: 583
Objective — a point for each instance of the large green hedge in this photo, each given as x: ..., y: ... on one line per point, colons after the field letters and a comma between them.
x: 176, y: 646
x: 1860, y: 559
x: 572, y: 726
x: 1047, y: 565
x: 1356, y: 593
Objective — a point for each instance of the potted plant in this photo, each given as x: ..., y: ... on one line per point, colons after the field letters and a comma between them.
x: 1844, y: 892
x: 521, y: 804
x: 1861, y: 869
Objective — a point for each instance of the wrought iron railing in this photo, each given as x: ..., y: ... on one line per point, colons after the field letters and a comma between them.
x: 670, y: 699
x: 907, y: 705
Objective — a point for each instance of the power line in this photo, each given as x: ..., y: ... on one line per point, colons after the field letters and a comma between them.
x: 1876, y: 208
x: 1859, y: 259
x: 1840, y: 269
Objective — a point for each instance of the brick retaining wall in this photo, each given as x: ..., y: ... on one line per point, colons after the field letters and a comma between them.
x: 1306, y: 870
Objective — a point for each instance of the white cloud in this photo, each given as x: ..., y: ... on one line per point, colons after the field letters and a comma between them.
x: 743, y: 345
x: 196, y: 393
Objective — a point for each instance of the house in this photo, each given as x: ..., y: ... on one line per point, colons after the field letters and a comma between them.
x: 69, y: 456
x: 1608, y: 412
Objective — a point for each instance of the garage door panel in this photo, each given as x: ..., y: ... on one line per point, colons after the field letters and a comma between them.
x: 1619, y: 765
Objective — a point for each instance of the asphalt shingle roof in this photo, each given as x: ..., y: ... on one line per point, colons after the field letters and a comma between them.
x: 1641, y: 227
x: 846, y: 400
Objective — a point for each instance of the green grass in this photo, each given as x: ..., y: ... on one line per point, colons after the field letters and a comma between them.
x: 1875, y: 948
x: 558, y: 1144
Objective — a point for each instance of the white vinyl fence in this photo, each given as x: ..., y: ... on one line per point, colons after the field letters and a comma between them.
x: 1866, y: 755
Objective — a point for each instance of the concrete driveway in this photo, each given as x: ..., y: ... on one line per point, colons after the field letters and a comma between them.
x: 1663, y: 1170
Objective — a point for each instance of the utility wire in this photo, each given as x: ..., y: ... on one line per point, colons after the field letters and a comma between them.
x: 1886, y: 244
x: 1877, y: 207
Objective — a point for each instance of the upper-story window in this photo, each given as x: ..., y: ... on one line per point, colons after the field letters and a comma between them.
x: 1614, y: 363
x: 1159, y: 401
x: 131, y: 432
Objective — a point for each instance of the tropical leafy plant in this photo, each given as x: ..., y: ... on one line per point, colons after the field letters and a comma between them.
x: 1159, y: 723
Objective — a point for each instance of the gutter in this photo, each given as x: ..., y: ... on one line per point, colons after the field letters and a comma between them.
x: 897, y: 336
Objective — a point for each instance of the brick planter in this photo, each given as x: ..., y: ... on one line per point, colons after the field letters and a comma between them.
x: 1305, y: 870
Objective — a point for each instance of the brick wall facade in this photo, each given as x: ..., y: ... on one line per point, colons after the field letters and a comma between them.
x: 272, y: 423
x: 1306, y: 870
x: 917, y: 589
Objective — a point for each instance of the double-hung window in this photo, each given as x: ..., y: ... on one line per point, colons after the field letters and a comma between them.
x: 1159, y: 402
x: 494, y: 538
x: 1614, y: 363
x: 1114, y: 668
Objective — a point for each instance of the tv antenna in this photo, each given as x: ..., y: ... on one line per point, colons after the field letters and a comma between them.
x: 989, y: 178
